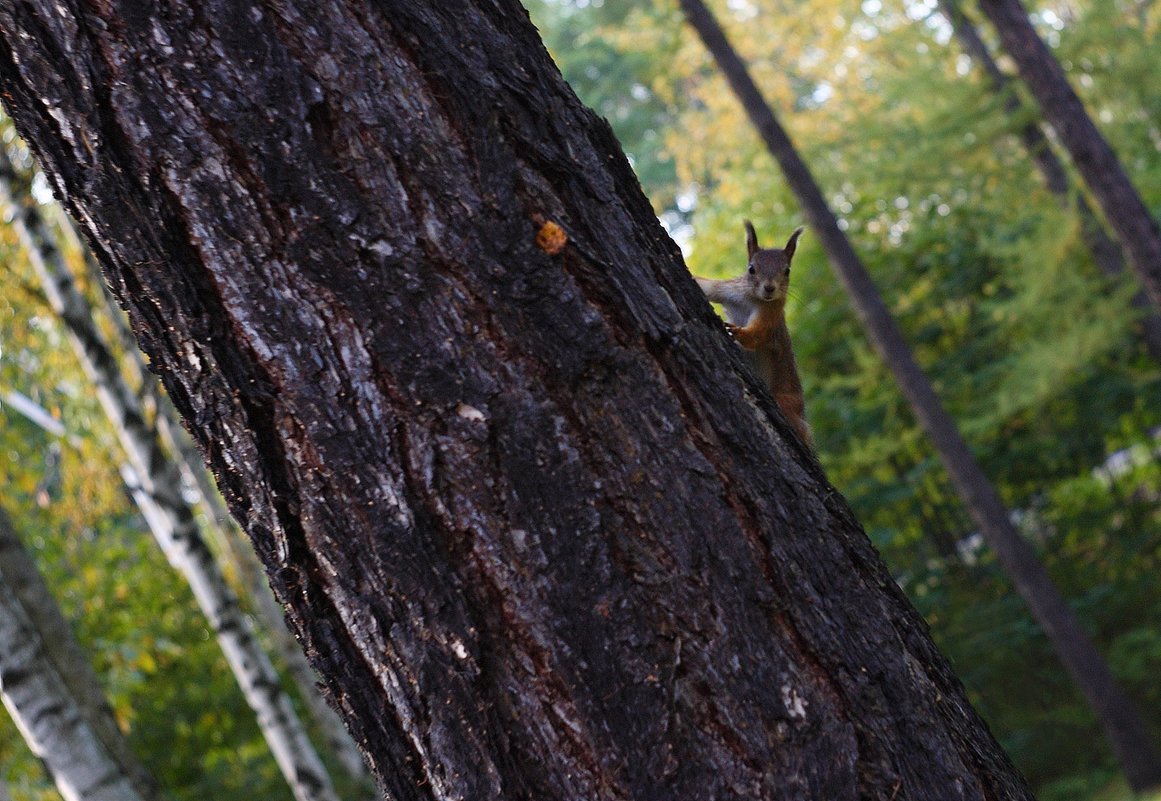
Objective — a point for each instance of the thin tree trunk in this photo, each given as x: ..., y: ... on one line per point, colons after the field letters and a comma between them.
x: 1106, y: 253
x: 1124, y: 728
x: 170, y: 518
x: 541, y: 532
x: 52, y: 693
x: 1096, y: 162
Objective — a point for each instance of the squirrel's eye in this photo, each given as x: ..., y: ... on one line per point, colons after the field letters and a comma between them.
x: 751, y: 269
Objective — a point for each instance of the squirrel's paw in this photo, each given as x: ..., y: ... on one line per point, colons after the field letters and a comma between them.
x: 740, y: 335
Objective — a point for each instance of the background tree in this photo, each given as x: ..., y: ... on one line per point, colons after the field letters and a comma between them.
x: 1094, y: 159
x: 462, y: 448
x: 1106, y: 252
x: 172, y: 694
x: 52, y: 693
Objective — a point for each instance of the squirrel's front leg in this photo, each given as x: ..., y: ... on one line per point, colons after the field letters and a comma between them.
x: 734, y: 296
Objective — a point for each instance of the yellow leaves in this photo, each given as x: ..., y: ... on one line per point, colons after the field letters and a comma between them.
x: 145, y: 661
x: 90, y: 484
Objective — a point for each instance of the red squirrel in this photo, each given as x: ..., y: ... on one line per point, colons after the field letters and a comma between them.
x: 755, y: 306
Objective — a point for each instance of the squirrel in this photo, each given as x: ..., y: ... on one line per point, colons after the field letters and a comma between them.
x: 755, y: 305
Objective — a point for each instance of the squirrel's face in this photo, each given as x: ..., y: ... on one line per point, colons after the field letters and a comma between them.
x: 769, y: 275
x: 769, y: 269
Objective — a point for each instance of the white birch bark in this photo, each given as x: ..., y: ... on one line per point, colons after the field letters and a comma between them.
x: 170, y: 517
x: 52, y: 694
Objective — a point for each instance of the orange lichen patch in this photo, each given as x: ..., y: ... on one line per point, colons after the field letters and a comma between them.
x: 551, y: 238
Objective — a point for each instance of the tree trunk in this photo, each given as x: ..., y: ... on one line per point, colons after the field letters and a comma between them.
x: 1094, y: 159
x: 52, y: 693
x: 1106, y: 253
x: 219, y: 527
x: 224, y: 535
x: 539, y: 530
x: 1126, y: 731
x: 156, y: 484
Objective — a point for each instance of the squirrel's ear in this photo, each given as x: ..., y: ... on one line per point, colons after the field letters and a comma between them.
x: 751, y: 239
x: 792, y: 245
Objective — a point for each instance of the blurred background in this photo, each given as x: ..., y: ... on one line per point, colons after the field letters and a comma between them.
x: 1032, y: 342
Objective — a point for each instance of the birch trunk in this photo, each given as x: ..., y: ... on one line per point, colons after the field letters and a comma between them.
x: 52, y: 693
x: 170, y: 519
x: 1126, y: 731
x: 542, y: 533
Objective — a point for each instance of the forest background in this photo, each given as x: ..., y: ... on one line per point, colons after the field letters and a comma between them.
x: 1031, y: 348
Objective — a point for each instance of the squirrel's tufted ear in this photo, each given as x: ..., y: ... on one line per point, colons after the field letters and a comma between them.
x: 792, y: 245
x: 751, y: 238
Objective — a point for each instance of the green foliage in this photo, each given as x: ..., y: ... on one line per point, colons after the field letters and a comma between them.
x: 1032, y: 350
x: 627, y: 87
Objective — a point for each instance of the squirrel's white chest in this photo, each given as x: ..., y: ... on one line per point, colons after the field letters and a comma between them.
x: 739, y: 314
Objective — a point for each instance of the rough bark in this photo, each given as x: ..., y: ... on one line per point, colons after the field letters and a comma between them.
x: 1106, y: 252
x: 541, y: 532
x: 1096, y: 162
x: 157, y: 488
x: 52, y: 693
x: 219, y: 527
x: 224, y: 535
x: 1126, y: 731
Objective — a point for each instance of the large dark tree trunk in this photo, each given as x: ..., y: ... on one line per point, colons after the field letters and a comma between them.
x: 1094, y: 159
x: 539, y: 529
x: 1106, y: 252
x: 1125, y: 729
